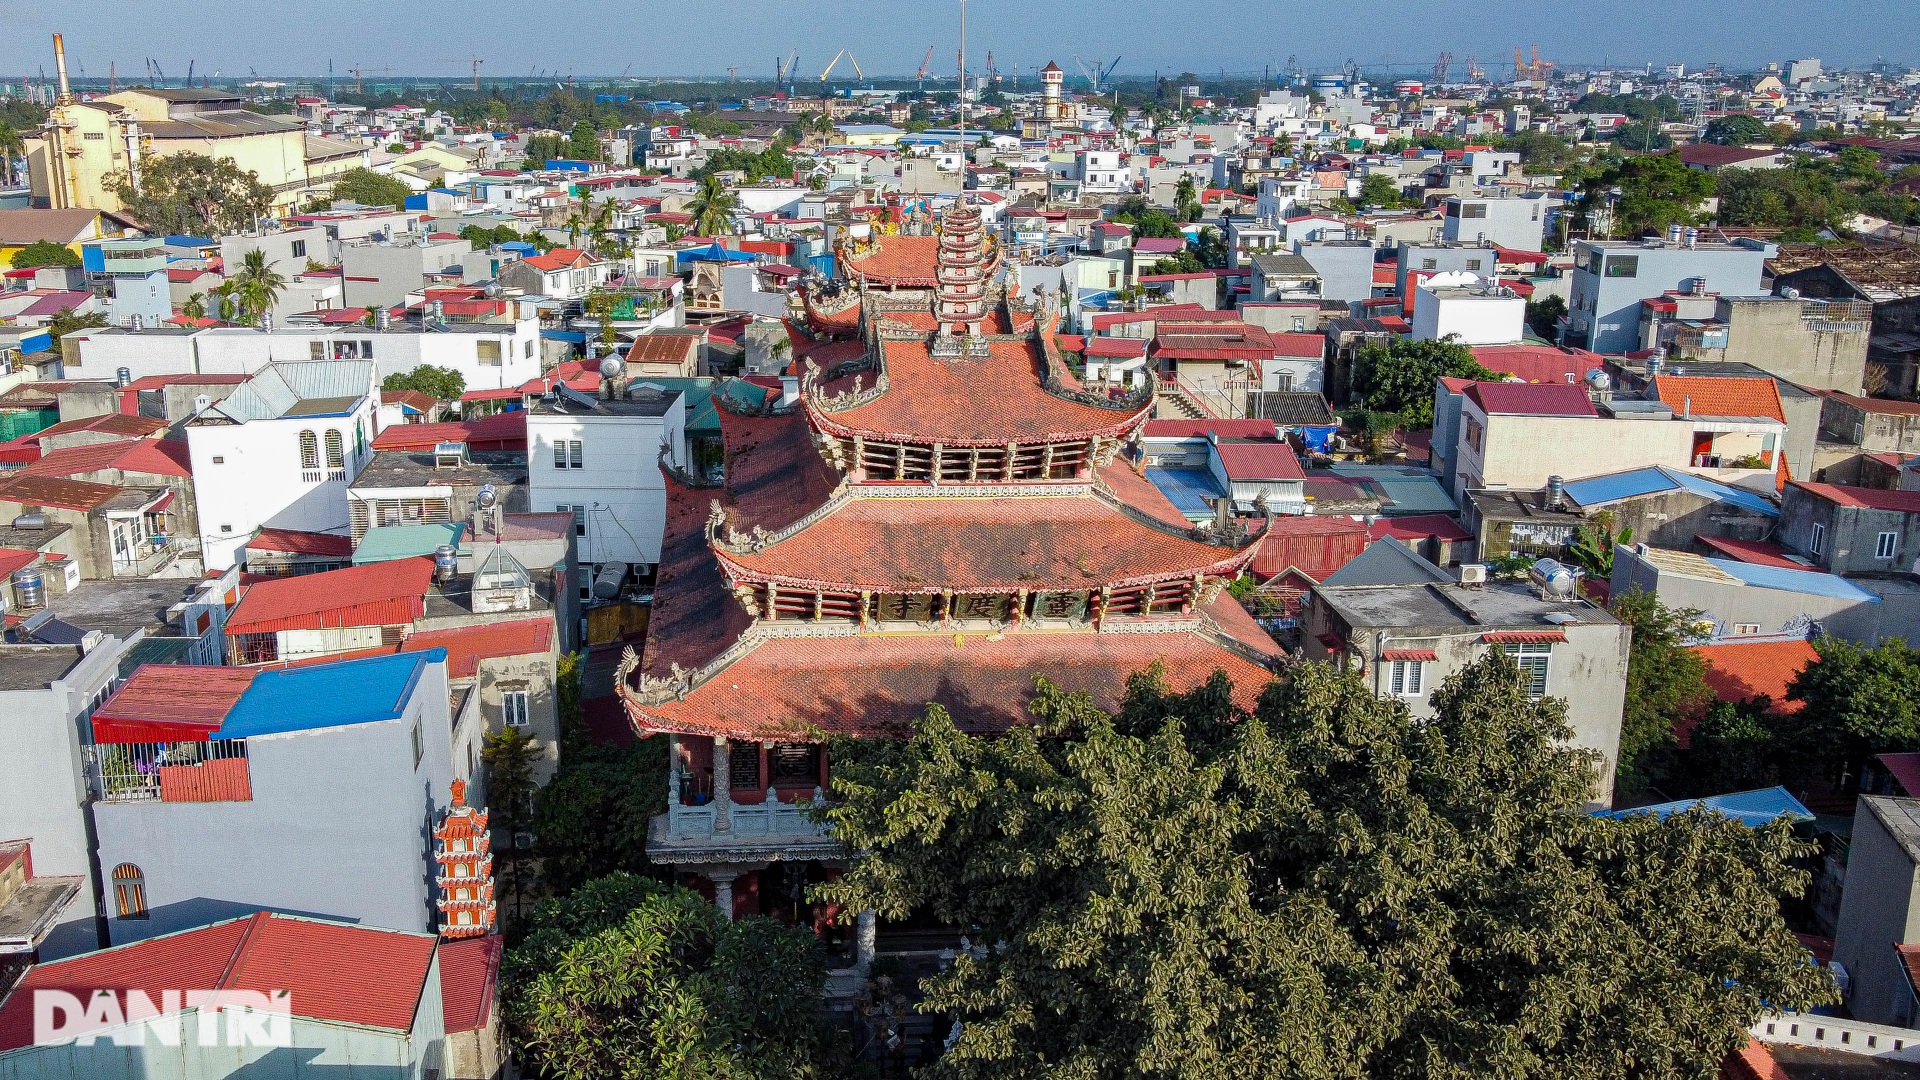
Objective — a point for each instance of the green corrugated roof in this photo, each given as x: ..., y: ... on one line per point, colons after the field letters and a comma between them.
x: 155, y: 650
x: 703, y: 420
x: 385, y: 543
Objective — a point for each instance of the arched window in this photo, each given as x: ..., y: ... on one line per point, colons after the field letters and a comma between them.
x: 309, y: 450
x: 130, y: 891
x: 336, y: 451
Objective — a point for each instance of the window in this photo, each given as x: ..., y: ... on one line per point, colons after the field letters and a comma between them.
x: 309, y: 450
x: 568, y: 454
x: 579, y: 517
x: 1473, y: 264
x: 513, y: 706
x: 489, y: 353
x: 743, y: 766
x: 1623, y: 266
x: 299, y: 249
x: 1888, y: 544
x: 1818, y: 544
x: 1533, y: 665
x: 529, y: 349
x: 336, y: 451
x: 316, y: 350
x: 129, y: 891
x: 1299, y: 324
x: 1406, y: 678
x: 1473, y: 210
x: 1429, y: 264
x: 1746, y: 628
x: 574, y: 455
x: 794, y: 765
x: 419, y: 744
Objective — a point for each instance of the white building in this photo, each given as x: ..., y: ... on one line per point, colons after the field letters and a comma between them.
x: 1460, y: 306
x: 598, y: 459
x: 490, y: 355
x: 1102, y: 170
x: 280, y: 451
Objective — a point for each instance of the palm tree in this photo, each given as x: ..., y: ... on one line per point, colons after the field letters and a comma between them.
x: 712, y: 208
x: 12, y: 146
x: 1592, y: 548
x: 195, y: 307
x: 258, y: 285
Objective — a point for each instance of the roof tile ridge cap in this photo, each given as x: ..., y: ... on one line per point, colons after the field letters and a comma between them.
x: 1101, y: 492
x: 231, y: 970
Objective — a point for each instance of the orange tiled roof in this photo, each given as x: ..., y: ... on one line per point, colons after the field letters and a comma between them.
x: 1740, y: 670
x: 899, y: 261
x: 1720, y: 395
x: 974, y: 402
x: 878, y: 684
x: 973, y: 544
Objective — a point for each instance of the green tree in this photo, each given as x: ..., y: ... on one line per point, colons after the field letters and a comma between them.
x: 12, y: 148
x: 1859, y: 701
x: 44, y: 253
x: 540, y: 149
x: 1322, y: 887
x: 257, y: 285
x: 1146, y: 220
x: 1657, y: 190
x: 1735, y: 747
x: 510, y: 754
x: 1381, y: 190
x: 369, y: 188
x: 1641, y: 136
x: 1186, y: 199
x: 439, y: 383
x: 65, y: 322
x: 194, y: 308
x: 1665, y: 684
x: 583, y: 143
x: 1734, y: 129
x: 1543, y: 316
x: 712, y: 207
x: 1593, y: 543
x: 1399, y: 377
x: 193, y: 195
x: 591, y: 819
x: 631, y: 978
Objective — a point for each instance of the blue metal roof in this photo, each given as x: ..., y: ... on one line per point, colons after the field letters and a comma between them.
x: 1189, y: 490
x: 328, y: 695
x: 1755, y: 808
x: 1813, y: 582
x: 1613, y: 487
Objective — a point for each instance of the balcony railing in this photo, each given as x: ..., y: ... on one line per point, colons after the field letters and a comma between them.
x: 149, y: 555
x: 213, y: 771
x: 771, y: 819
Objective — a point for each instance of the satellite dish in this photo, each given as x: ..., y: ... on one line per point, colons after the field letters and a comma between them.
x: 612, y: 367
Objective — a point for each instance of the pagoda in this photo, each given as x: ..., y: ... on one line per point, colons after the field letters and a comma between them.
x: 465, y: 853
x: 936, y: 522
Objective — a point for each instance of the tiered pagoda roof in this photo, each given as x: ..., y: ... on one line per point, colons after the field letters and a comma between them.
x: 938, y: 522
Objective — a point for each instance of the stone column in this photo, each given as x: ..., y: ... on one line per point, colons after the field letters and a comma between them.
x: 723, y: 891
x: 863, y: 939
x: 722, y: 787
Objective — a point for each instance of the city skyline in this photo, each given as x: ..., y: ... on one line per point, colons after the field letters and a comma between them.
x: 659, y: 41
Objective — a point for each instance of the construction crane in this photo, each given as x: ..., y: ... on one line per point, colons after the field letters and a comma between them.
x: 992, y: 72
x: 920, y: 77
x: 1475, y: 73
x: 1536, y: 71
x: 474, y: 60
x: 836, y: 60
x: 189, y: 74
x: 733, y: 73
x: 359, y: 76
x: 1441, y: 68
x: 1097, y: 72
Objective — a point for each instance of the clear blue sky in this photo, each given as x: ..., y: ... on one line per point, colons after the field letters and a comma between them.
x: 890, y: 36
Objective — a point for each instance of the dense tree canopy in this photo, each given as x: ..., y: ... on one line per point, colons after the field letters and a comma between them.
x: 1656, y: 190
x: 193, y: 195
x: 44, y: 253
x: 1665, y: 682
x: 369, y: 188
x: 1399, y: 377
x: 1146, y: 220
x: 1322, y: 888
x: 1735, y: 129
x: 1858, y: 701
x: 627, y: 977
x: 439, y: 383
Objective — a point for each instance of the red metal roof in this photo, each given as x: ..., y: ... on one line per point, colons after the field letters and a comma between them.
x: 109, y: 424
x: 56, y: 491
x: 170, y: 703
x: 1314, y: 545
x: 1532, y: 399
x: 1901, y: 502
x: 1537, y: 363
x: 294, y: 542
x: 468, y: 645
x: 1904, y: 768
x: 1420, y: 527
x: 1410, y: 654
x: 1118, y: 348
x: 1304, y: 346
x: 330, y: 971
x: 12, y: 559
x: 1753, y: 551
x: 469, y: 974
x: 1259, y: 461
x: 503, y: 431
x: 150, y: 456
x: 378, y: 594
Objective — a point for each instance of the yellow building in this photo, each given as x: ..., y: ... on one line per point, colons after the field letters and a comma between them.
x: 70, y: 228
x: 87, y: 145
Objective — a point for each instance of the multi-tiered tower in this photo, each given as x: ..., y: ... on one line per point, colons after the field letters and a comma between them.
x: 936, y: 522
x: 465, y: 853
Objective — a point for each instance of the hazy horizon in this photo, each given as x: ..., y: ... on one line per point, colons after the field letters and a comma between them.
x: 889, y: 37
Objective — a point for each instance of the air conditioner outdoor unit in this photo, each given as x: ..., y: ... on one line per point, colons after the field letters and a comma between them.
x: 1473, y: 573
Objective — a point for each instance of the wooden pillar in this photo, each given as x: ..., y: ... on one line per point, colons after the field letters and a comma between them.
x: 866, y: 602
x: 772, y: 612
x: 1006, y: 470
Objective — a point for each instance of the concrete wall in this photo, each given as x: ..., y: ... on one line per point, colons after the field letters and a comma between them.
x: 1852, y: 533
x: 1522, y: 451
x: 625, y: 495
x: 1346, y: 268
x: 1876, y: 911
x: 1791, y: 339
x: 383, y: 274
x: 1608, y: 306
x: 1773, y: 610
x: 1671, y: 519
x: 1517, y: 223
x: 259, y: 479
x: 43, y: 782
x: 339, y: 826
